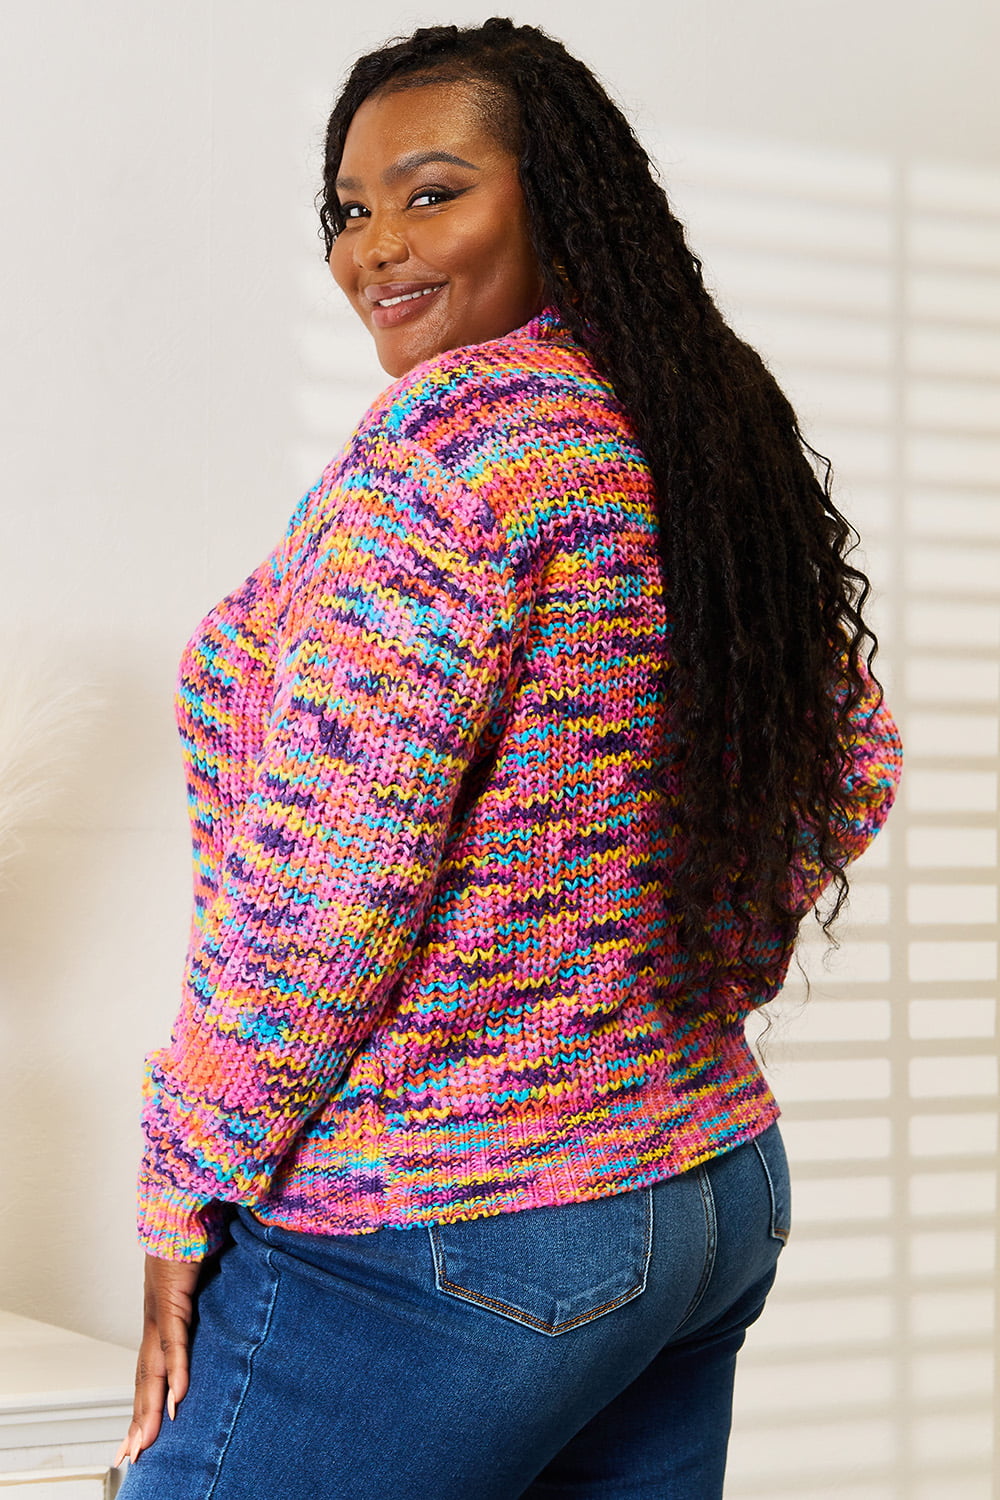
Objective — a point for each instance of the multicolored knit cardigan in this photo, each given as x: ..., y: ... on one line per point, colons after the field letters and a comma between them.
x: 433, y: 970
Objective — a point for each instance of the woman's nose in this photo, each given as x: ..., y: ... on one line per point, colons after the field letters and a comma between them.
x: 380, y: 243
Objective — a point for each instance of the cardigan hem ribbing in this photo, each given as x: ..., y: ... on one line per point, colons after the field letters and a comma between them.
x: 373, y: 1170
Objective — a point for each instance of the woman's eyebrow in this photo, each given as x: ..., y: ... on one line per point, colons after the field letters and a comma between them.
x: 407, y: 164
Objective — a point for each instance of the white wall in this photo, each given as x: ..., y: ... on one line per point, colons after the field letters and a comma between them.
x: 176, y: 369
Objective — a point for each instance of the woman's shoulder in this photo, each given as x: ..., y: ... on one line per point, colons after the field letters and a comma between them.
x: 538, y: 368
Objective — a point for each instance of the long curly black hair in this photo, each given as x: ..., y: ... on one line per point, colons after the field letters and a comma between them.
x: 768, y: 637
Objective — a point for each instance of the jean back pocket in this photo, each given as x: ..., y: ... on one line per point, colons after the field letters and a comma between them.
x: 771, y: 1150
x: 551, y: 1269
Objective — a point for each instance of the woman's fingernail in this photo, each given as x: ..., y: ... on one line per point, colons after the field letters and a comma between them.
x: 133, y: 1453
x: 171, y: 1405
x: 120, y: 1455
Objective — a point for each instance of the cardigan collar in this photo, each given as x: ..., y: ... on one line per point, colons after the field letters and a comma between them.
x: 547, y: 325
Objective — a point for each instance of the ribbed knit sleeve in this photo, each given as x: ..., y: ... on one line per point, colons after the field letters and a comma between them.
x: 388, y: 631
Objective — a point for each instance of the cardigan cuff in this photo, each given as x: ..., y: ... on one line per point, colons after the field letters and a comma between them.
x: 175, y: 1224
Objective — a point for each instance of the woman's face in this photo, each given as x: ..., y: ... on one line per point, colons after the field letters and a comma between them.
x: 435, y: 252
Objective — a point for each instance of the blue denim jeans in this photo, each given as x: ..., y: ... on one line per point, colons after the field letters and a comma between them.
x: 583, y: 1350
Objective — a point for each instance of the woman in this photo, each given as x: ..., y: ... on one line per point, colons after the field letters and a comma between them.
x: 512, y: 770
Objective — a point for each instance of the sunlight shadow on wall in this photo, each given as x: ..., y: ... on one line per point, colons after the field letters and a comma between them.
x: 872, y: 290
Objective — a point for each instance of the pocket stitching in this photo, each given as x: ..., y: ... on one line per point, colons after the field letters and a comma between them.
x: 778, y: 1232
x: 517, y: 1315
x: 711, y: 1246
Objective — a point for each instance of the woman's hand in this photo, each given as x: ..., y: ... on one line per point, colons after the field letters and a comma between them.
x: 161, y: 1376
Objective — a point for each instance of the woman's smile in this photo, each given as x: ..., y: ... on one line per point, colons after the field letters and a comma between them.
x: 434, y: 250
x: 394, y: 302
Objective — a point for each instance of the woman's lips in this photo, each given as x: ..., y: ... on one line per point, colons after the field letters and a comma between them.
x: 406, y: 301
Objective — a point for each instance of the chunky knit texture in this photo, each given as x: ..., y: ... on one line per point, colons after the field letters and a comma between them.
x: 433, y: 970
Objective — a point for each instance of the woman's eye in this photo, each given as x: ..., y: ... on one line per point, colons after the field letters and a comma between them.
x: 430, y: 196
x: 352, y: 211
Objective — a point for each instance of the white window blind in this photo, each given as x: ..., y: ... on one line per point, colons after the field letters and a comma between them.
x: 872, y: 288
